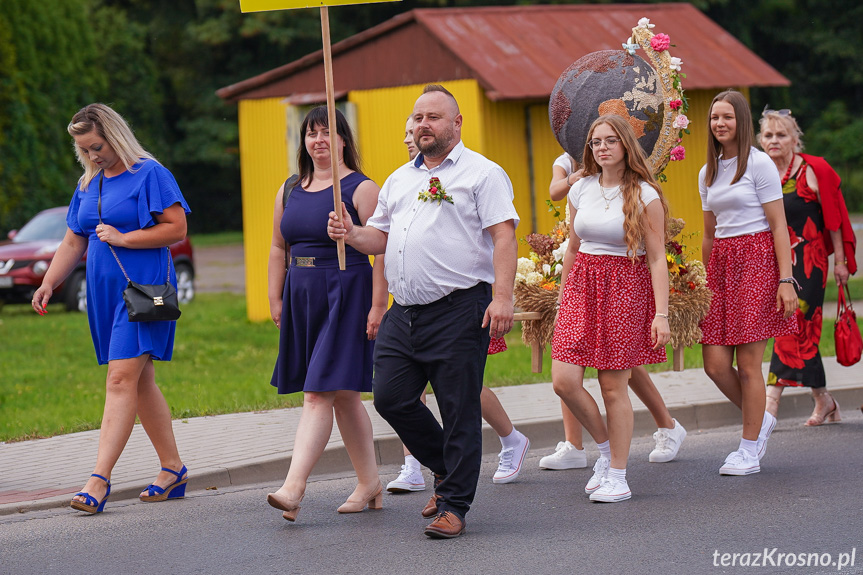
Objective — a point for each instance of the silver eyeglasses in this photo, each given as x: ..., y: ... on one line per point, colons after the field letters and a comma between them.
x: 609, y: 143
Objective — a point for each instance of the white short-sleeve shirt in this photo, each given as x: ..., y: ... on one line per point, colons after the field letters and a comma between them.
x: 600, y: 229
x: 435, y: 248
x: 564, y: 161
x: 738, y: 207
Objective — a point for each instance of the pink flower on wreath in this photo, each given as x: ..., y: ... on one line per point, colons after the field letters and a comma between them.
x: 681, y: 122
x: 677, y: 153
x: 660, y: 42
x: 675, y: 104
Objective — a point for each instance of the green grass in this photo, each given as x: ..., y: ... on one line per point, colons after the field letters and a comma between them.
x: 218, y: 239
x: 855, y: 284
x: 50, y: 383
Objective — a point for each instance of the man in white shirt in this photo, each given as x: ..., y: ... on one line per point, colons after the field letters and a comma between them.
x: 446, y: 223
x: 514, y: 444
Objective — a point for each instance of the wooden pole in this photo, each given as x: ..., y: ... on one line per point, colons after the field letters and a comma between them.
x: 331, y: 113
x: 677, y: 359
x: 537, y: 350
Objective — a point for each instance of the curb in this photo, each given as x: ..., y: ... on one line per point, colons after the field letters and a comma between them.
x: 543, y: 433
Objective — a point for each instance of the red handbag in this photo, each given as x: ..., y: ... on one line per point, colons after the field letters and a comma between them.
x: 846, y: 332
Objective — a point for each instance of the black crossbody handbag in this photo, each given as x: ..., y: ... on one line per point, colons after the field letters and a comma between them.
x: 146, y: 302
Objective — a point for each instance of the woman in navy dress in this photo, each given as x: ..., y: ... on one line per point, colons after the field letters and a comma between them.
x: 328, y: 319
x: 142, y: 212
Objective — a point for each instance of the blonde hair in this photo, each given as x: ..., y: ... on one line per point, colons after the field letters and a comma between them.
x: 111, y: 127
x: 787, y: 120
x: 744, y: 136
x: 635, y: 172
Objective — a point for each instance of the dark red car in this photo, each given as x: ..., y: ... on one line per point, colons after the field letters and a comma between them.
x: 26, y: 257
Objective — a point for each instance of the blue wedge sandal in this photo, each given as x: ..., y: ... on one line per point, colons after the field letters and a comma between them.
x: 176, y: 490
x: 90, y: 504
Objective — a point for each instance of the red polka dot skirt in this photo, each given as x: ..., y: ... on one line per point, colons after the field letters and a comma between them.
x: 744, y: 277
x: 605, y: 314
x: 496, y: 345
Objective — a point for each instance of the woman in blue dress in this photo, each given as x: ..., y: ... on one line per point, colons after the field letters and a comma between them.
x: 142, y: 212
x: 328, y: 319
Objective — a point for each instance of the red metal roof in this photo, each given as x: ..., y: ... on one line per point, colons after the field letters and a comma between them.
x: 515, y: 52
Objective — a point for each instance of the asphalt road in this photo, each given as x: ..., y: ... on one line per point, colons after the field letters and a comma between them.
x: 683, y: 517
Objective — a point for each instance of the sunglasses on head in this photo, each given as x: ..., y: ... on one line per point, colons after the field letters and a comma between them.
x: 782, y: 112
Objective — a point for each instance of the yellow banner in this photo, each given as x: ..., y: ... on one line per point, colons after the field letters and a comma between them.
x: 265, y: 5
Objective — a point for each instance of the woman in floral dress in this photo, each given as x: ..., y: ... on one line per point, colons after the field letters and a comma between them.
x: 817, y: 224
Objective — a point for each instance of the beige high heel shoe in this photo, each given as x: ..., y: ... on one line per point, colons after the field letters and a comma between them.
x: 832, y: 416
x: 374, y: 501
x: 291, y: 507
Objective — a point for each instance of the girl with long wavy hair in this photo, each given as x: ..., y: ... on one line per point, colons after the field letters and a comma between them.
x: 614, y: 304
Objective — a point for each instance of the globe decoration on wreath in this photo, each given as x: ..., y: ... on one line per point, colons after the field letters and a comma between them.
x: 649, y: 95
x: 620, y: 82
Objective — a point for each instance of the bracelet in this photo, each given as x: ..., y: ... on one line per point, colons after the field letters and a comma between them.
x: 662, y: 315
x: 791, y: 281
x: 842, y: 263
x: 567, y: 180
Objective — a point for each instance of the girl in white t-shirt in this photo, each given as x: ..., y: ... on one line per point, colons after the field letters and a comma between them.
x: 747, y: 250
x: 564, y: 173
x: 613, y: 309
x: 569, y: 453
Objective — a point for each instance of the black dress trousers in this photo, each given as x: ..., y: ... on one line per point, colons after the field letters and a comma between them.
x: 442, y: 343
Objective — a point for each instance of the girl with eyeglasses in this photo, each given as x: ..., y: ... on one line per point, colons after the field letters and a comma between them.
x: 748, y: 257
x: 614, y: 302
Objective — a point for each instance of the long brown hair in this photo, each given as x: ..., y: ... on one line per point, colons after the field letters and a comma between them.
x: 318, y: 117
x: 745, y: 136
x: 635, y: 172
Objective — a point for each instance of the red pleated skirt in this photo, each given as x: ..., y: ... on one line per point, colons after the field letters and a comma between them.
x: 744, y: 277
x: 605, y: 314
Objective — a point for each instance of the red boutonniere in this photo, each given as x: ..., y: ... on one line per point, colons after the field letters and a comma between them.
x: 435, y: 192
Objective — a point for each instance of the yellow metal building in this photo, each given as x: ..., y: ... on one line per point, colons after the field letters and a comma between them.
x: 502, y: 90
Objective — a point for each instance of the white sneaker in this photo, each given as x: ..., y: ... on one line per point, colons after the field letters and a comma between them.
x: 410, y: 479
x: 600, y: 471
x: 767, y: 426
x: 565, y: 456
x: 740, y: 463
x: 611, y: 491
x: 510, y: 462
x: 667, y: 443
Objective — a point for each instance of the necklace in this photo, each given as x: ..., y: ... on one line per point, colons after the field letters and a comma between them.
x: 787, y: 175
x: 726, y: 163
x: 602, y: 191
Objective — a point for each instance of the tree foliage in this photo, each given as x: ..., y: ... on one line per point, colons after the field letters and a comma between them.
x: 816, y: 45
x: 159, y: 63
x: 47, y: 50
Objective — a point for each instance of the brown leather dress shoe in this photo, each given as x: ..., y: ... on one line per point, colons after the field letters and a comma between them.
x: 430, y: 510
x: 446, y: 525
